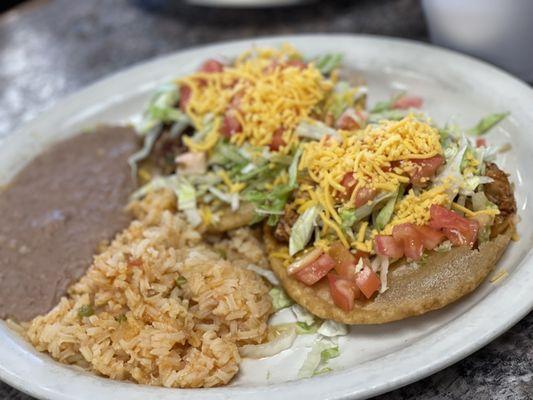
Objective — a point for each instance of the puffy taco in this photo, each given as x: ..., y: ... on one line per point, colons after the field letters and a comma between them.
x: 391, y: 221
x: 224, y: 137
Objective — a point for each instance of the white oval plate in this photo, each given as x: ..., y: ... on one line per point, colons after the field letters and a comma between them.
x: 374, y: 359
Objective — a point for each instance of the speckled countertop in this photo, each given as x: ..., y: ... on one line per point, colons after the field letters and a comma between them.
x: 51, y: 48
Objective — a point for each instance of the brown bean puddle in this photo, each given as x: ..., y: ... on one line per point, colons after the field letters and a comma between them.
x: 56, y: 212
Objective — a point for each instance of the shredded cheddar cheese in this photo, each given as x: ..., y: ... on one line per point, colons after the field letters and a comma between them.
x: 370, y: 155
x: 373, y: 156
x: 264, y: 92
x: 362, y: 231
x: 415, y: 209
x: 501, y: 274
x: 472, y: 163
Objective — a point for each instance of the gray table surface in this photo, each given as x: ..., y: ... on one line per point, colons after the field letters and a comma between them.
x: 51, y: 48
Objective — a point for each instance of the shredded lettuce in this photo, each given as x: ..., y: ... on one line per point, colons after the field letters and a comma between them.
x: 283, y: 341
x: 351, y: 216
x: 343, y: 97
x: 328, y: 62
x: 444, y: 247
x: 187, y: 201
x: 270, y: 203
x: 149, y: 141
x: 208, y: 123
x: 323, y: 350
x: 304, y: 329
x: 157, y: 183
x: 193, y: 216
x: 302, y: 315
x: 315, y: 130
x: 186, y: 194
x: 280, y: 300
x: 328, y: 354
x: 340, y: 99
x: 485, y: 227
x: 481, y: 202
x: 491, y: 152
x: 161, y: 109
x: 348, y: 219
x: 393, y: 115
x: 452, y: 171
x: 386, y: 105
x: 184, y: 190
x: 472, y: 182
x: 385, y: 214
x: 487, y: 123
x: 224, y: 153
x: 265, y: 273
x: 302, y: 229
x: 293, y: 168
x: 332, y: 328
x: 222, y: 196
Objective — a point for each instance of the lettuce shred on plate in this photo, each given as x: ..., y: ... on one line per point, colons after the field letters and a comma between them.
x: 349, y: 189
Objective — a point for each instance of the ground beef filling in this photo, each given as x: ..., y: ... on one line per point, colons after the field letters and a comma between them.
x: 500, y: 192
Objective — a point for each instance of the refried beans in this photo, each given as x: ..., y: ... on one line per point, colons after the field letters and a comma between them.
x: 56, y: 212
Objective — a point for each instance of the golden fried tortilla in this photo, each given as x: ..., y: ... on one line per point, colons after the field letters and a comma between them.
x: 233, y: 219
x: 413, y: 289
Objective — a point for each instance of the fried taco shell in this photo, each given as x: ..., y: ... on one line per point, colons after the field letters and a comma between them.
x: 413, y: 289
x: 230, y: 220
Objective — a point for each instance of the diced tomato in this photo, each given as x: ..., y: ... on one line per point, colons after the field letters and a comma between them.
x: 276, y: 64
x: 185, y: 96
x: 296, y: 63
x: 454, y: 236
x: 351, y: 119
x: 346, y: 270
x: 461, y: 231
x: 348, y: 181
x: 316, y: 270
x: 345, y: 261
x: 408, y: 234
x: 235, y: 102
x: 363, y: 196
x: 271, y: 67
x: 386, y: 245
x: 277, y: 140
x: 230, y: 124
x: 368, y: 281
x: 212, y: 66
x: 406, y: 102
x: 342, y: 256
x: 430, y: 237
x: 361, y: 254
x: 425, y: 168
x: 306, y: 259
x: 343, y: 291
x: 481, y: 142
